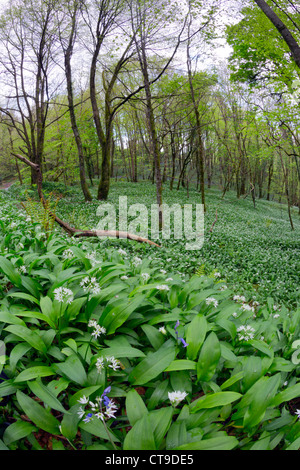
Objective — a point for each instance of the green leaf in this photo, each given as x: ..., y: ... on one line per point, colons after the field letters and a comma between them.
x: 214, y: 400
x: 140, y: 436
x: 87, y: 391
x: 177, y: 435
x: 155, y: 337
x: 181, y: 364
x: 16, y: 353
x: 153, y: 365
x: 47, y: 397
x: 33, y: 373
x: 195, y: 335
x: 114, y: 315
x: 17, y: 431
x: 121, y: 351
x: 294, y: 445
x: 214, y: 443
x: 96, y: 428
x: 7, y: 388
x: 70, y: 421
x: 232, y: 380
x: 10, y: 271
x: 286, y: 395
x: 135, y: 407
x: 261, y: 399
x: 3, y: 446
x: 73, y: 369
x: 6, y: 317
x: 41, y: 417
x: 160, y: 421
x: 24, y: 296
x: 208, y: 358
x: 159, y: 394
x: 30, y: 336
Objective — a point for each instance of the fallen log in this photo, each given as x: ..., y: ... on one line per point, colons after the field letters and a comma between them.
x: 75, y: 231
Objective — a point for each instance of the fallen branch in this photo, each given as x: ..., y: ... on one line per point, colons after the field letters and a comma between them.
x: 75, y: 231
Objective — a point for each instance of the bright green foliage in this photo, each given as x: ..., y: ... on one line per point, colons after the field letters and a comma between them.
x: 66, y: 346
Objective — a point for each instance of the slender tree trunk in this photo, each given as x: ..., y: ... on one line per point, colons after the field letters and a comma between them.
x: 68, y: 73
x: 270, y: 174
x: 282, y: 29
x: 153, y: 133
x: 198, y: 130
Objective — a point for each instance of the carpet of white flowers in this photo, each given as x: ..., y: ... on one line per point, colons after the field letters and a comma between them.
x: 112, y: 344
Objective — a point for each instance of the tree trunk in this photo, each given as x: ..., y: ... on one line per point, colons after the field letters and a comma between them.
x: 282, y: 29
x: 68, y: 73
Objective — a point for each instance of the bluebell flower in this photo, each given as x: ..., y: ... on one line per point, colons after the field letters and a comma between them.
x: 106, y: 400
x: 183, y: 342
x: 88, y: 417
x: 106, y: 391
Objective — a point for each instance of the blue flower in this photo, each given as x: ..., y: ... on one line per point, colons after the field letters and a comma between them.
x: 106, y: 400
x: 106, y: 391
x: 88, y: 417
x: 183, y: 342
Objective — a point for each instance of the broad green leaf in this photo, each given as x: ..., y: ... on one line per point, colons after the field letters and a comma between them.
x: 6, y: 317
x: 121, y: 351
x: 24, y: 296
x: 177, y: 435
x: 294, y: 445
x: 116, y: 314
x: 160, y: 421
x: 252, y: 368
x: 46, y: 306
x: 75, y: 307
x: 10, y: 271
x: 153, y: 365
x: 140, y: 436
x: 70, y: 421
x: 3, y: 446
x: 30, y: 336
x: 214, y: 443
x: 262, y: 346
x: 208, y: 358
x: 261, y: 400
x: 228, y: 326
x: 33, y: 373
x: 159, y: 394
x: 7, y: 388
x: 232, y: 380
x: 181, y: 364
x: 96, y: 428
x: 73, y: 369
x: 17, y: 353
x: 17, y: 430
x: 286, y: 395
x: 135, y: 407
x: 214, y: 400
x: 195, y: 335
x: 263, y: 443
x: 30, y: 285
x: 155, y: 337
x: 47, y: 397
x: 41, y: 417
